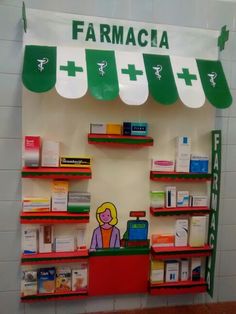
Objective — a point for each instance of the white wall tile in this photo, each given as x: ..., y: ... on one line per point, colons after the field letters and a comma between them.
x: 10, y: 244
x: 213, y: 299
x: 220, y: 14
x: 228, y: 189
x: 232, y: 40
x: 71, y: 307
x: 233, y: 75
x: 232, y: 131
x: 127, y: 302
x: 98, y: 304
x: 11, y: 57
x: 227, y: 263
x: 142, y: 10
x: 199, y: 298
x: 221, y: 123
x: 231, y: 158
x: 10, y: 185
x: 232, y: 108
x: 227, y: 67
x: 229, y: 212
x: 149, y: 301
x: 227, y: 288
x: 10, y: 90
x: 180, y: 299
x: 228, y: 236
x: 10, y: 154
x: 10, y: 23
x: 9, y: 213
x: 10, y: 276
x: 10, y: 303
x: 10, y: 122
x: 39, y: 308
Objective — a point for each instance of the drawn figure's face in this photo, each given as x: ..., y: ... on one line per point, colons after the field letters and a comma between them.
x: 106, y: 216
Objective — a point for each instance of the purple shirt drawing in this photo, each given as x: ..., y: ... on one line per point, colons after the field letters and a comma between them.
x: 96, y: 242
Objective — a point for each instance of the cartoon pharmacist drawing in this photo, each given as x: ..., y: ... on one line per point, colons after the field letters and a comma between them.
x: 106, y: 235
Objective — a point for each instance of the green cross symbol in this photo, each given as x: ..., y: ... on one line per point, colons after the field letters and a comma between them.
x: 187, y: 76
x: 132, y: 72
x: 71, y: 68
x: 224, y: 36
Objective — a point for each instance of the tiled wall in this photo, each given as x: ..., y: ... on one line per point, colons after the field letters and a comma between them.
x: 194, y: 13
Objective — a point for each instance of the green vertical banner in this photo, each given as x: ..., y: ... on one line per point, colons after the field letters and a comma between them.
x: 214, y: 206
x: 39, y: 69
x: 102, y: 74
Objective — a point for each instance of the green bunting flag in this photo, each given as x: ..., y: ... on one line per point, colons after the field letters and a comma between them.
x: 214, y: 83
x: 160, y: 78
x: 39, y: 71
x: 102, y: 74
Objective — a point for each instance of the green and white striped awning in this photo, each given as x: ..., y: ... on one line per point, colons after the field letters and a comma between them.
x: 108, y: 74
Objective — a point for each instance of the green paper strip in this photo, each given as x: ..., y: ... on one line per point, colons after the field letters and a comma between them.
x: 121, y: 251
x: 120, y: 140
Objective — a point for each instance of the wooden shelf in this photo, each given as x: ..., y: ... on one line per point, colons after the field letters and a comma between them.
x: 53, y: 218
x: 180, y: 287
x: 54, y: 296
x: 179, y: 211
x: 56, y: 173
x: 120, y: 140
x: 173, y: 252
x: 179, y: 176
x: 55, y: 257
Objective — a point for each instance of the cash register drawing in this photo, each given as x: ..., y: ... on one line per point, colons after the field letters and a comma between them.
x: 106, y: 235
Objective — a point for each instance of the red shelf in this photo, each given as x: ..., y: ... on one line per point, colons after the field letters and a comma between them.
x: 180, y: 287
x: 53, y: 218
x: 179, y: 211
x: 120, y: 140
x: 55, y: 257
x: 56, y: 173
x: 54, y: 296
x: 179, y: 176
x: 173, y: 252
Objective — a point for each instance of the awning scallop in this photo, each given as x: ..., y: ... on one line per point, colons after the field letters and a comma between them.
x: 108, y: 74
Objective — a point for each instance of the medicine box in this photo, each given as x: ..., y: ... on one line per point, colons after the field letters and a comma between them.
x: 75, y: 161
x: 79, y: 202
x: 182, y: 198
x: 184, y: 269
x: 50, y: 153
x: 46, y: 280
x: 59, y: 195
x: 199, y: 201
x: 172, y: 271
x: 114, y: 129
x: 80, y: 277
x: 30, y: 240
x: 196, y: 264
x: 135, y: 128
x: 45, y: 238
x: 98, y: 128
x: 197, y: 231
x: 157, y: 271
x: 183, y: 147
x: 29, y: 284
x: 36, y: 204
x: 199, y: 164
x: 182, y: 165
x: 157, y: 199
x: 163, y: 240
x: 181, y: 232
x: 63, y: 279
x: 32, y: 151
x: 162, y: 165
x: 64, y: 244
x: 170, y: 196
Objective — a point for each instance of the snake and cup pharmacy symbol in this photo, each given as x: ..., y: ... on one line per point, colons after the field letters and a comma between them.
x: 212, y: 76
x: 158, y: 69
x: 41, y: 63
x: 101, y: 66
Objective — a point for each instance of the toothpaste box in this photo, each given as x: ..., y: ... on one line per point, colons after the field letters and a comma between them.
x: 30, y: 240
x: 80, y: 277
x: 36, y: 204
x: 59, y: 195
x: 170, y: 196
x: 157, y: 199
x: 98, y: 128
x: 135, y: 128
x: 199, y: 164
x: 45, y: 238
x: 181, y: 232
x: 46, y: 280
x: 32, y: 151
x: 182, y: 198
x: 63, y: 279
x: 162, y: 165
x: 50, y: 153
x: 29, y: 284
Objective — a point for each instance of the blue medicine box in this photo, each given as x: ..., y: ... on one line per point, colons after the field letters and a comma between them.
x: 199, y: 164
x: 135, y: 128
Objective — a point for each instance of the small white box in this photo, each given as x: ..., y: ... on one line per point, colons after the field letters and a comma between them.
x: 157, y: 199
x: 184, y: 269
x: 29, y: 283
x: 197, y: 231
x: 182, y: 165
x: 98, y: 128
x: 64, y: 244
x: 183, y: 146
x: 181, y: 232
x: 196, y: 265
x: 199, y: 201
x: 182, y: 198
x: 80, y: 277
x: 45, y: 238
x: 60, y: 195
x: 50, y: 154
x: 157, y: 271
x: 172, y: 271
x: 163, y: 165
x: 30, y: 241
x: 170, y: 196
